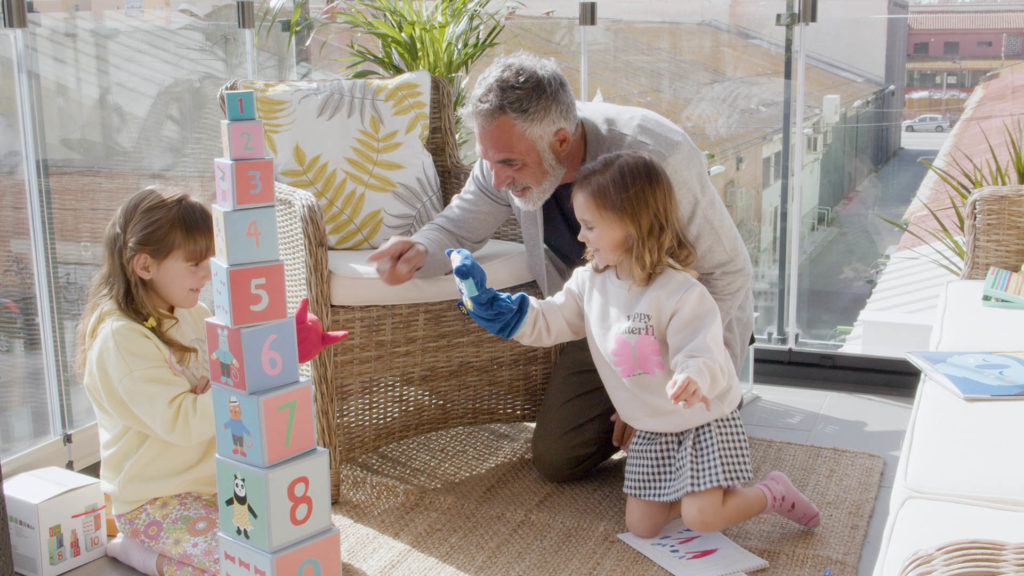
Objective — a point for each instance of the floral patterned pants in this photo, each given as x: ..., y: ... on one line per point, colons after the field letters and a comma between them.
x: 182, y: 527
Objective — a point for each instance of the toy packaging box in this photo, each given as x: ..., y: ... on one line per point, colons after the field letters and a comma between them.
x: 57, y: 519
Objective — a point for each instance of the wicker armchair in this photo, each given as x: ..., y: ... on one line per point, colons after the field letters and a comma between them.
x: 405, y: 369
x: 993, y: 225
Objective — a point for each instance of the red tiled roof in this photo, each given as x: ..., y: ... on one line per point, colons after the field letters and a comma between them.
x: 968, y: 21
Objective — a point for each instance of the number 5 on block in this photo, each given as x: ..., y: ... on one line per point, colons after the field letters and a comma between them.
x: 248, y: 294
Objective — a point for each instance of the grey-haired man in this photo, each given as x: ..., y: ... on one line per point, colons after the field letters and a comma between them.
x: 532, y: 137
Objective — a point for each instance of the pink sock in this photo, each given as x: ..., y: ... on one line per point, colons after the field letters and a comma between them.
x: 784, y: 499
x: 129, y: 551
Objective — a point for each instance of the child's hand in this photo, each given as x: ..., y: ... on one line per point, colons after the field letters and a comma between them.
x: 686, y: 390
x: 499, y: 313
x: 203, y: 386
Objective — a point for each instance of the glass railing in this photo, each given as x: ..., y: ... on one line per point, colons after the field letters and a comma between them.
x: 125, y: 95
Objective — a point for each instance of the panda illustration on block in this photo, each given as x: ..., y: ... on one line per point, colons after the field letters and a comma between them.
x: 242, y: 508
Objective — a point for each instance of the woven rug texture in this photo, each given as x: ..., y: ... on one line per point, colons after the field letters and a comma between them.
x: 468, y: 502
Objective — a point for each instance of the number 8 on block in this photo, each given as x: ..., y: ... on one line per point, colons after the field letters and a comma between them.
x: 248, y: 293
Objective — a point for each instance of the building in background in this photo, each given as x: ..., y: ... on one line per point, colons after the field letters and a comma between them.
x: 952, y: 46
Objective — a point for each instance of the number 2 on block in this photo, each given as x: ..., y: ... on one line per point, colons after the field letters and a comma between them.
x: 253, y: 231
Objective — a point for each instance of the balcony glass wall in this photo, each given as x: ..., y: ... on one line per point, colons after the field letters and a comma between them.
x: 800, y: 124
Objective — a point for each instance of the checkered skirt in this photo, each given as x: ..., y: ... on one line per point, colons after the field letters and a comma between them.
x: 664, y: 467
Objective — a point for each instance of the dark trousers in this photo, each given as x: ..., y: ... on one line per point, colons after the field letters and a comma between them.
x: 574, y: 427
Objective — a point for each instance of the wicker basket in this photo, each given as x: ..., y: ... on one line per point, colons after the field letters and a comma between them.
x: 967, y: 558
x: 994, y: 229
x: 404, y: 369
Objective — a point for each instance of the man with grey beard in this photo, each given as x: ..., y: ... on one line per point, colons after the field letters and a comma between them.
x: 532, y: 137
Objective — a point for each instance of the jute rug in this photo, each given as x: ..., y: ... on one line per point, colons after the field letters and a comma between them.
x: 468, y: 502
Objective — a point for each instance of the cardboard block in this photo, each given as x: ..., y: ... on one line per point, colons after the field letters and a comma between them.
x: 244, y: 236
x: 57, y: 520
x: 317, y: 555
x: 244, y: 183
x: 271, y: 508
x: 252, y: 358
x: 242, y: 139
x: 248, y: 294
x: 265, y: 428
x: 240, y: 104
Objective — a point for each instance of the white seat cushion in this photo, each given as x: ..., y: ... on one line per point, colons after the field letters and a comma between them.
x: 354, y: 281
x: 963, y: 449
x: 924, y: 523
x: 963, y: 324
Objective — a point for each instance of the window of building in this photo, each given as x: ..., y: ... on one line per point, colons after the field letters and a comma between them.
x: 921, y: 48
x: 950, y: 48
x: 984, y: 43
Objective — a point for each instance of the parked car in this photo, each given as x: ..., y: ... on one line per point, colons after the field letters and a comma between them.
x: 926, y: 123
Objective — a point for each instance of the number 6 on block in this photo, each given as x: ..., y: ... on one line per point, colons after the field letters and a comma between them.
x: 249, y: 293
x: 252, y: 358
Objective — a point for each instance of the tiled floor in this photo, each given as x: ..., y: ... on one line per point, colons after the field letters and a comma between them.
x: 855, y: 421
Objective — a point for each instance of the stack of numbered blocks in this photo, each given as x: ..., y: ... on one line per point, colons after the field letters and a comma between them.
x: 272, y: 480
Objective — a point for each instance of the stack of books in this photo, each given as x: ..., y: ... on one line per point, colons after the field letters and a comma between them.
x: 1003, y: 289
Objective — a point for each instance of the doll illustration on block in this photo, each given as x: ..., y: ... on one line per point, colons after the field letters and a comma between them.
x: 237, y: 428
x: 223, y: 355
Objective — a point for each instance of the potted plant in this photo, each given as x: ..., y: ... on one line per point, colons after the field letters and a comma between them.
x: 443, y: 37
x: 944, y: 233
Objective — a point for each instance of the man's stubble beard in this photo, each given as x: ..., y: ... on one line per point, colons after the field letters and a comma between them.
x: 540, y: 193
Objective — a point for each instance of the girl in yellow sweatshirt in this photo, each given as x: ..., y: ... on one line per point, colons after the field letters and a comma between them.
x: 142, y: 354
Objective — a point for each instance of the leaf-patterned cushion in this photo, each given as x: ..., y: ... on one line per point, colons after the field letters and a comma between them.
x: 358, y: 146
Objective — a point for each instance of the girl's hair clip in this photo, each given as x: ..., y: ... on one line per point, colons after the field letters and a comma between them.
x: 150, y: 323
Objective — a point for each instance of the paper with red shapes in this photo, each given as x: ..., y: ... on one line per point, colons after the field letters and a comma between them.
x: 684, y: 552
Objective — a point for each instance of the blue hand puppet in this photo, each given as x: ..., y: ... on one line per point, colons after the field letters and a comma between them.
x: 499, y: 313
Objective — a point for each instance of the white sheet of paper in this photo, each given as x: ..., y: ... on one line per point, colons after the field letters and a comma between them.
x: 686, y: 553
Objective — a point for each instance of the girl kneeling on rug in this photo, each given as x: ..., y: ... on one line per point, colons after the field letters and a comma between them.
x: 656, y: 337
x: 142, y: 350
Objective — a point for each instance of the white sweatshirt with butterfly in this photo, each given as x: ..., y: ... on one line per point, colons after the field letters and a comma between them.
x: 640, y: 337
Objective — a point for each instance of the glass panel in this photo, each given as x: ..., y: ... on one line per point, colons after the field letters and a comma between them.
x: 126, y: 97
x: 714, y: 71
x: 24, y: 402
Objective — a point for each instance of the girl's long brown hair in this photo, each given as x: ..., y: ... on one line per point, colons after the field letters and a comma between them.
x: 634, y: 189
x: 153, y: 222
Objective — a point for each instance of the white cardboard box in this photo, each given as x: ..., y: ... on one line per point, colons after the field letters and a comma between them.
x: 57, y: 519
